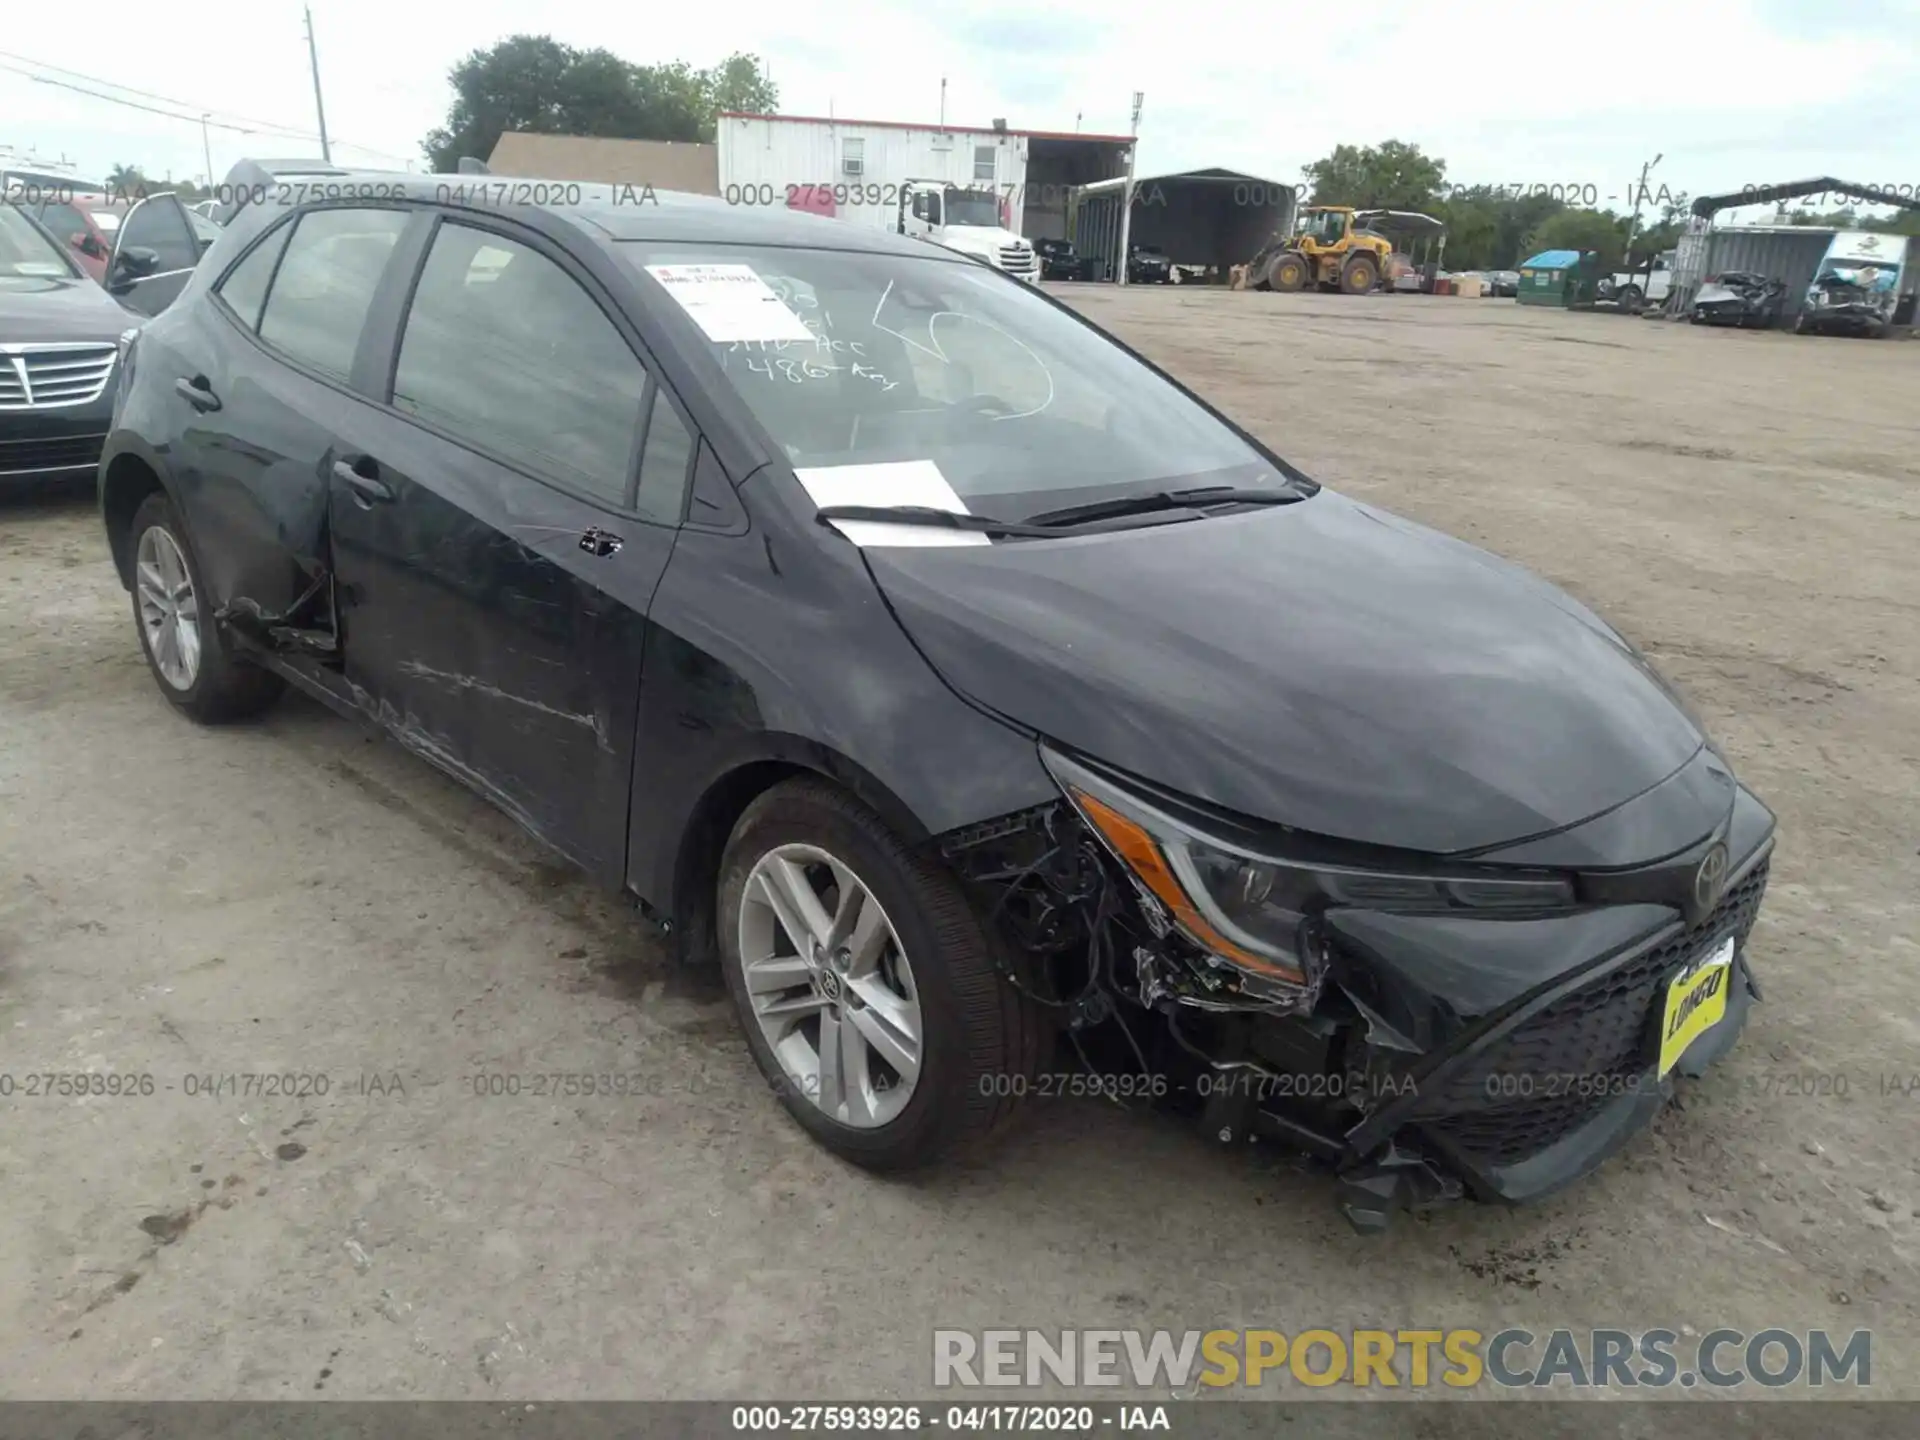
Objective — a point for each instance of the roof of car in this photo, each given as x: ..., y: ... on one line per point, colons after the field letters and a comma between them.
x: 635, y: 212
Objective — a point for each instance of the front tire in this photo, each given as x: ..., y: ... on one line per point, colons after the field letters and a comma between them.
x: 866, y: 983
x: 188, y: 654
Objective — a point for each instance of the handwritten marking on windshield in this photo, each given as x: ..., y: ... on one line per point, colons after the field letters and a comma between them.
x: 934, y: 349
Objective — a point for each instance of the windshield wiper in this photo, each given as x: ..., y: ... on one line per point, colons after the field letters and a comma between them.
x: 928, y: 515
x: 1199, y: 497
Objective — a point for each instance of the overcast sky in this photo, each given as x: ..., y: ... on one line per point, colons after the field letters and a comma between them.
x: 1734, y: 92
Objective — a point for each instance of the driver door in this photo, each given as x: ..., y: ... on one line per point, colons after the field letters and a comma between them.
x: 154, y: 255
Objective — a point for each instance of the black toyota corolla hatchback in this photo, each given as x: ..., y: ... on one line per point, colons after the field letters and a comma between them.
x: 999, y: 716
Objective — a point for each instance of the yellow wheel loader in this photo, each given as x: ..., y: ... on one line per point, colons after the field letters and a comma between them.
x: 1333, y: 247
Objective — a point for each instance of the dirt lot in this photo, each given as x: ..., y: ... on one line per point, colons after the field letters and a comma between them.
x: 297, y: 897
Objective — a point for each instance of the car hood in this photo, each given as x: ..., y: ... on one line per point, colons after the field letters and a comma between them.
x: 39, y: 309
x: 1324, y: 665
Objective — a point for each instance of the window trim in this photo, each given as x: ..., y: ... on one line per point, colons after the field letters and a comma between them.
x: 992, y: 152
x: 540, y: 244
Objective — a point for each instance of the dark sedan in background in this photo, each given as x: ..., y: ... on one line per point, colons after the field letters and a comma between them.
x: 955, y: 732
x: 58, y: 336
x: 1060, y: 261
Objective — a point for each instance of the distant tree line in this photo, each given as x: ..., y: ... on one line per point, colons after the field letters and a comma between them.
x: 533, y: 82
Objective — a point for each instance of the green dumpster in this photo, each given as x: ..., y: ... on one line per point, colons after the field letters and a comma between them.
x: 1551, y: 278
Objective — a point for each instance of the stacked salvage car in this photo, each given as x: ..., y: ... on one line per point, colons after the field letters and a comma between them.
x: 1741, y: 298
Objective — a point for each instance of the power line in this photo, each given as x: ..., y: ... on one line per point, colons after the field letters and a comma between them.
x: 252, y: 124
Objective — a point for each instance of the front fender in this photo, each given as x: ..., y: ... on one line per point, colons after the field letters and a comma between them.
x: 773, y: 651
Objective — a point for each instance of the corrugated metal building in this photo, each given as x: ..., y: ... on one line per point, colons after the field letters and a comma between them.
x: 1197, y: 217
x: 853, y: 169
x: 602, y: 160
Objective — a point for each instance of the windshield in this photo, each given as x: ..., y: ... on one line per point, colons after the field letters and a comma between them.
x: 875, y: 359
x: 1324, y: 224
x: 25, y: 252
x: 972, y: 207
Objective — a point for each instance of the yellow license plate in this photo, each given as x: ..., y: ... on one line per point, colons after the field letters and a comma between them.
x: 1696, y: 1002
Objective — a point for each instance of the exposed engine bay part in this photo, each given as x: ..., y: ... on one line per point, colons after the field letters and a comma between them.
x: 1396, y: 1055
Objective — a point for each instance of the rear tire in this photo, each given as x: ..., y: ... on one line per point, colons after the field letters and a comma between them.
x: 1359, y: 275
x: 979, y: 1042
x: 188, y: 653
x: 1288, y: 274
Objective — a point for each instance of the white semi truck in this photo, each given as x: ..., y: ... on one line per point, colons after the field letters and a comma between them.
x: 967, y: 221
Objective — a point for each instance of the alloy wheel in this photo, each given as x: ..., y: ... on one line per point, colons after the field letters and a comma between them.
x: 169, y: 610
x: 830, y: 986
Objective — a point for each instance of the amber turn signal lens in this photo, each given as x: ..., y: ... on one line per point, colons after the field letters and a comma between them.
x: 1142, y: 854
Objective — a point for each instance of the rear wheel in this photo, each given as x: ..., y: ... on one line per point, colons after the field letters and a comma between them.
x: 1288, y: 272
x: 1359, y: 275
x: 189, y: 656
x: 1631, y: 297
x: 866, y: 983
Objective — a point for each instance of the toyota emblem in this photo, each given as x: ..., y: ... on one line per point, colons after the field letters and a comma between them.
x: 1710, y: 878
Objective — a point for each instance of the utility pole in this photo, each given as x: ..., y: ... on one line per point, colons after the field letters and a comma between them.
x: 319, y: 107
x: 1126, y: 193
x: 1640, y: 194
x: 206, y: 148
x: 943, y: 102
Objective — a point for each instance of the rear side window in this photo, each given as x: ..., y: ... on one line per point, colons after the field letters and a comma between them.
x: 504, y: 350
x: 246, y: 284
x: 325, y: 286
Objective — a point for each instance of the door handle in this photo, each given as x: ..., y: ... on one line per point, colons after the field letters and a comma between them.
x: 600, y: 543
x: 368, y: 489
x: 197, y: 393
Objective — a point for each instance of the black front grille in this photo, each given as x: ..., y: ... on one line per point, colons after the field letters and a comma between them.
x: 1554, y: 1070
x: 26, y: 457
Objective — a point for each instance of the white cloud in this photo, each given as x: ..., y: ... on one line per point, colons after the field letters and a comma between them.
x: 1733, y: 91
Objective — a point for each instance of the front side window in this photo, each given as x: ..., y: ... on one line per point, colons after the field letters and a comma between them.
x: 506, y: 351
x: 66, y: 222
x: 1022, y: 407
x: 324, y: 287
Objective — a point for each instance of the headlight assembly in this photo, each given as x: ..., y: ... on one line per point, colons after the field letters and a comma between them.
x: 1255, y: 910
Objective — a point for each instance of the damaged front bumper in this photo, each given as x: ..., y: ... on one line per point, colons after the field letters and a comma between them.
x: 1423, y: 1057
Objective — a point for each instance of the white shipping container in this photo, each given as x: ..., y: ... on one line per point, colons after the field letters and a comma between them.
x: 859, y: 166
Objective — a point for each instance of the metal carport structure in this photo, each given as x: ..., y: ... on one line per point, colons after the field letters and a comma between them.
x: 1198, y: 217
x: 1786, y: 251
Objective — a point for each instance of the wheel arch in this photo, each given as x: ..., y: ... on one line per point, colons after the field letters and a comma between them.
x: 726, y: 796
x: 127, y: 477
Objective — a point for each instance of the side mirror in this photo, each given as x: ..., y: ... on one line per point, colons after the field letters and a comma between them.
x: 136, y: 262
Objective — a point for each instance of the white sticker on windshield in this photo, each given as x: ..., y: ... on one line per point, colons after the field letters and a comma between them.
x: 898, y: 482
x: 730, y: 302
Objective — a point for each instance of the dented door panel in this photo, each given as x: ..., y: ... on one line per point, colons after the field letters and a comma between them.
x: 477, y: 628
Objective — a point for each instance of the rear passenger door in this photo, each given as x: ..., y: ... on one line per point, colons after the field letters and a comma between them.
x: 498, y: 530
x: 266, y: 376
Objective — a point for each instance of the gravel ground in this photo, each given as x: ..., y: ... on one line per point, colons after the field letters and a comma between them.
x: 299, y: 898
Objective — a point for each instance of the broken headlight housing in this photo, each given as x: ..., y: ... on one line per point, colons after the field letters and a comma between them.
x: 1256, y: 910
